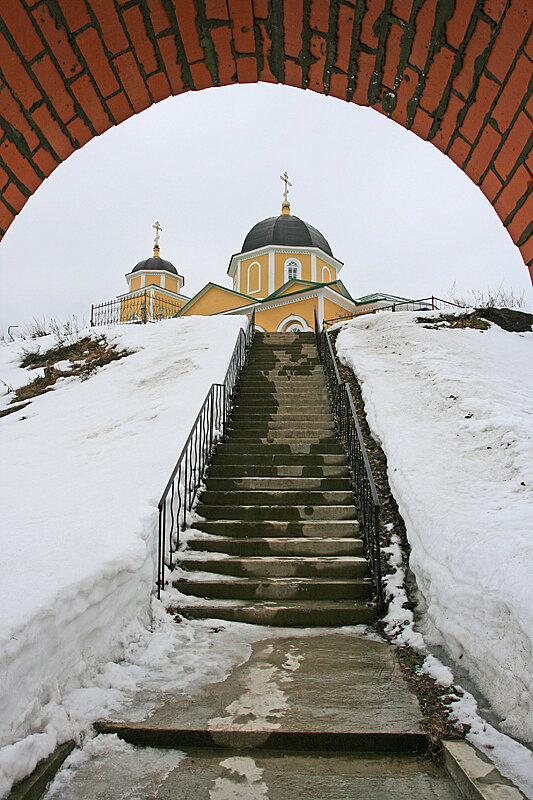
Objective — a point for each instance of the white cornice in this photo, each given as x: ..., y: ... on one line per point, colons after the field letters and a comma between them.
x: 139, y: 292
x: 277, y: 248
x: 285, y: 300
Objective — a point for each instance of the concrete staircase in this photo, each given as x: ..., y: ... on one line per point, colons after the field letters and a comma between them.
x: 279, y: 541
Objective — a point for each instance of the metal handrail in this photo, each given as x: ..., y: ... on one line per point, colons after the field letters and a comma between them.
x: 140, y: 307
x: 186, y: 478
x: 425, y: 304
x: 352, y: 437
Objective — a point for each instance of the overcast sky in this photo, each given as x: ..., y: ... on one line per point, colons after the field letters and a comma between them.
x: 400, y: 215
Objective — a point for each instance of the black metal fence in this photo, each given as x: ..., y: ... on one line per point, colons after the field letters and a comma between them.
x: 425, y: 304
x: 352, y: 438
x: 209, y: 428
x: 146, y: 306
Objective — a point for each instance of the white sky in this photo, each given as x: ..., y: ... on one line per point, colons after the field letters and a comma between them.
x: 402, y: 216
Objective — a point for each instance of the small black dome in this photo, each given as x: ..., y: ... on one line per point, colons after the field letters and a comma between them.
x: 284, y: 230
x: 155, y: 265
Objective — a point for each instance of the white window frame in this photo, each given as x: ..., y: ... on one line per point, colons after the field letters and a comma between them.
x: 329, y: 273
x: 292, y: 261
x: 254, y: 264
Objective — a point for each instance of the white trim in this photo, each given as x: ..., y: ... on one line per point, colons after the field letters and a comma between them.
x: 290, y: 262
x: 329, y: 273
x: 162, y: 280
x: 167, y: 292
x: 259, y: 328
x: 271, y: 271
x: 285, y: 300
x: 152, y: 303
x: 292, y: 318
x: 313, y: 268
x: 277, y: 248
x: 321, y: 308
x: 255, y: 291
x: 143, y: 280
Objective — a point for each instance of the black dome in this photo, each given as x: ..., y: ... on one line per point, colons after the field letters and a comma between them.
x: 156, y: 265
x: 284, y: 230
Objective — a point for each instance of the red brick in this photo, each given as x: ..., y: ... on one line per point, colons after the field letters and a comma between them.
x: 437, y: 78
x: 514, y: 144
x: 143, y: 46
x: 226, y: 63
x: 457, y: 26
x: 319, y: 15
x: 317, y: 48
x: 402, y: 9
x: 473, y: 121
x: 76, y: 14
x: 448, y: 123
x: 54, y: 86
x: 529, y: 46
x: 17, y: 76
x: 79, y: 130
x: 513, y: 93
x: 491, y: 186
x: 392, y: 56
x: 526, y: 250
x: 186, y: 16
x: 266, y: 73
x: 529, y: 161
x: 337, y: 85
x: 6, y: 217
x: 512, y: 192
x: 424, y: 22
x: 86, y: 96
x: 521, y: 219
x: 19, y: 165
x: 201, y: 76
x: 158, y: 85
x: 404, y: 93
x: 119, y: 107
x: 113, y: 34
x: 132, y: 82
x: 216, y: 9
x: 374, y: 9
x: 422, y: 124
x: 494, y: 8
x: 260, y: 9
x: 57, y: 39
x: 12, y: 112
x: 459, y: 151
x: 45, y: 161
x: 292, y: 26
x: 243, y: 25
x: 514, y: 25
x: 169, y: 54
x: 20, y: 26
x: 293, y: 74
x: 365, y: 68
x: 51, y: 131
x: 247, y: 69
x: 94, y: 54
x: 463, y: 83
x: 344, y: 37
x: 159, y: 16
x: 483, y: 153
x: 4, y: 177
x: 14, y: 196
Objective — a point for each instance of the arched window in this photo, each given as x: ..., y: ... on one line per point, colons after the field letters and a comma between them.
x: 326, y: 275
x: 293, y: 269
x: 254, y: 277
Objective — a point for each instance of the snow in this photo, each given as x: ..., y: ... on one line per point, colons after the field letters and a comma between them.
x: 84, y: 466
x: 452, y: 411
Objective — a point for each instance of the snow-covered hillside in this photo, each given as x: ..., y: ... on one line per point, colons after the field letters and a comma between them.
x: 453, y: 411
x: 83, y: 467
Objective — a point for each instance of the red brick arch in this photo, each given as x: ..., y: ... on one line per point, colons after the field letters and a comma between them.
x: 458, y: 73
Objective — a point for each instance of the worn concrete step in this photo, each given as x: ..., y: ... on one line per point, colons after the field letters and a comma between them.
x: 277, y: 497
x: 279, y: 454
x: 258, y: 448
x: 304, y: 613
x: 278, y: 566
x: 288, y: 404
x: 257, y: 416
x: 278, y: 471
x: 275, y: 439
x: 283, y: 360
x: 321, y: 423
x: 277, y: 588
x: 280, y: 512
x: 277, y: 382
x: 277, y: 484
x: 279, y: 546
x: 330, y: 528
x: 277, y: 374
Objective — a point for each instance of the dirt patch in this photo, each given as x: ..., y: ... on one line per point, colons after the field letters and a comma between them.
x: 472, y: 320
x: 509, y: 320
x: 13, y: 409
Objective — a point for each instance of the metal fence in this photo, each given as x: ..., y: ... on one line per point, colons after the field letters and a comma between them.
x: 145, y: 306
x: 425, y: 304
x: 208, y: 429
x: 361, y: 471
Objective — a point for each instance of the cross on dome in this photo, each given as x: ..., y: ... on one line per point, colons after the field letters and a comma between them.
x: 285, y: 179
x: 158, y: 228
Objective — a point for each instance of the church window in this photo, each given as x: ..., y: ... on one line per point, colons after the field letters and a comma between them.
x: 254, y: 277
x: 293, y: 269
x: 326, y: 275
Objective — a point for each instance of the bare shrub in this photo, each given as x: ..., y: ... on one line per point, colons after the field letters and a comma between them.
x: 497, y: 297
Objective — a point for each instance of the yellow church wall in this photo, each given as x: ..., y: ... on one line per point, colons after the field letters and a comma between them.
x: 171, y: 284
x: 332, y: 310
x: 215, y: 300
x: 321, y: 278
x: 279, y: 267
x: 255, y: 288
x: 145, y: 308
x: 152, y: 280
x: 135, y: 283
x: 270, y: 318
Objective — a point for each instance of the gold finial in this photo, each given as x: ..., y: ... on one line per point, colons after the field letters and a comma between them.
x: 158, y: 228
x: 285, y: 206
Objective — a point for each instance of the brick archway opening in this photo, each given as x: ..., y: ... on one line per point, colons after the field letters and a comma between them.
x: 457, y: 74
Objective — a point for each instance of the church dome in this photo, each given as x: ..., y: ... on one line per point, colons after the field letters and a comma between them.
x: 155, y: 264
x: 286, y: 230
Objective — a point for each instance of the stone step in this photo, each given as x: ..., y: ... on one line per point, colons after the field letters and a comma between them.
x: 288, y: 513
x: 277, y: 588
x: 257, y: 416
x: 286, y: 404
x: 279, y: 546
x: 304, y: 613
x: 236, y: 454
x: 278, y: 471
x: 254, y: 423
x: 277, y: 497
x: 257, y: 448
x: 282, y: 437
x: 330, y: 528
x: 291, y: 484
x: 278, y: 566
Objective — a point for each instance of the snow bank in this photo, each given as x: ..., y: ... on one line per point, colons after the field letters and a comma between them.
x: 83, y: 468
x: 452, y: 410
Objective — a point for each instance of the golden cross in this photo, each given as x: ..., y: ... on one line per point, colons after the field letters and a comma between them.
x: 158, y: 228
x: 285, y: 179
